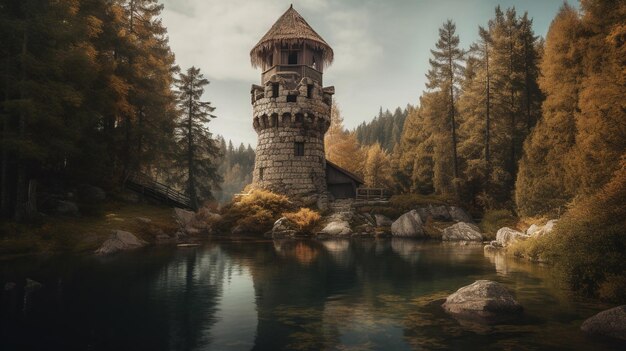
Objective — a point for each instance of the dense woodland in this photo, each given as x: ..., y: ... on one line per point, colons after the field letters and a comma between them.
x: 91, y: 93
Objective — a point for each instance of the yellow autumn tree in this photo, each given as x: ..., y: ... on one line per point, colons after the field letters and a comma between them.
x: 342, y: 147
x: 377, y: 167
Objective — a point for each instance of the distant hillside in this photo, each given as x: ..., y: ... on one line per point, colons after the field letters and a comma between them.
x: 386, y: 128
x: 236, y: 166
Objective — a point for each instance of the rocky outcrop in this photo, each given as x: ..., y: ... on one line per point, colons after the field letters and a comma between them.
x: 611, y: 323
x: 337, y: 227
x: 458, y: 214
x: 90, y: 194
x: 283, y: 227
x: 382, y: 220
x: 408, y: 225
x: 461, y: 232
x: 506, y: 236
x: 120, y: 241
x: 439, y: 213
x: 538, y: 231
x: 483, y: 300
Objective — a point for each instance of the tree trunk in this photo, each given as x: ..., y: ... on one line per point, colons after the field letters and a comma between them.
x: 191, y: 180
x: 488, y: 117
x: 4, y: 172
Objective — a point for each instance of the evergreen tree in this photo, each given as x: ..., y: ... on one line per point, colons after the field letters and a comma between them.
x: 377, y: 169
x: 198, y: 150
x: 443, y: 78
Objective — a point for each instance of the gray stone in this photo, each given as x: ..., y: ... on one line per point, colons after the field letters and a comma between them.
x: 483, y: 300
x: 120, y: 241
x: 490, y: 248
x: 9, y: 286
x: 337, y: 227
x: 611, y: 323
x: 66, y: 208
x: 283, y: 227
x: 458, y: 214
x: 461, y: 232
x: 382, y: 220
x: 506, y: 236
x: 532, y: 229
x: 408, y: 225
x: 546, y: 229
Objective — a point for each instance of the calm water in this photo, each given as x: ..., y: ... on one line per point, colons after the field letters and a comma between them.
x: 275, y: 295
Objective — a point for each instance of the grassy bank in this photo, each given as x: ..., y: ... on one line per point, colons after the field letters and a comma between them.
x: 85, y: 233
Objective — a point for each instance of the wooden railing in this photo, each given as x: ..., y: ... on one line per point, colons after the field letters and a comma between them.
x: 372, y: 194
x: 301, y: 70
x: 163, y: 193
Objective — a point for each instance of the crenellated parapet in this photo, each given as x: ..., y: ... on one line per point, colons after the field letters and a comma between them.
x: 291, y: 102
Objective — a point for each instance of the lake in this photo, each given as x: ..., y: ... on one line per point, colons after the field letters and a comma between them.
x: 365, y: 294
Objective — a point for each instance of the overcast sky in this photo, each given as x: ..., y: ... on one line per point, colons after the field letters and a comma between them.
x: 381, y: 47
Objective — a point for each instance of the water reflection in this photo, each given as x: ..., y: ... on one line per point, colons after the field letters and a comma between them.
x: 274, y: 295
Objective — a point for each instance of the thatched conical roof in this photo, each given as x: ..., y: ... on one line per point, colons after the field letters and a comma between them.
x: 290, y: 30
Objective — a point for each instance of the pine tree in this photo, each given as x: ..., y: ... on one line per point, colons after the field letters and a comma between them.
x: 542, y: 182
x: 341, y: 146
x: 198, y: 150
x: 443, y: 78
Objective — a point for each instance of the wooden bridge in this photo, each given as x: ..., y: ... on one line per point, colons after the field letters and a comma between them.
x: 162, y: 193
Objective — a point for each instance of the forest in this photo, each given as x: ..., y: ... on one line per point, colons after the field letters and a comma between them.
x: 513, y: 126
x: 91, y: 93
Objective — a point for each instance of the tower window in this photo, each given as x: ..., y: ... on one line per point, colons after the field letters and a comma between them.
x: 292, y: 59
x: 299, y: 118
x: 291, y: 98
x: 309, y: 90
x: 261, y: 173
x: 274, y: 89
x: 299, y: 149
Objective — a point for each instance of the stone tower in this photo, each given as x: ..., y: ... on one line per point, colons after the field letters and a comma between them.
x: 291, y: 110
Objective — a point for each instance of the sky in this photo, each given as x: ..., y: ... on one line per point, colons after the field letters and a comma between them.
x: 381, y: 48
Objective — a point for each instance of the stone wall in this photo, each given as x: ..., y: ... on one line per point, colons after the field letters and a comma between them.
x: 300, y: 113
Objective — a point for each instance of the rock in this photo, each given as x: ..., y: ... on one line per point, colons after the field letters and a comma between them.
x: 532, y: 229
x: 283, y: 227
x: 32, y: 285
x: 144, y: 220
x: 462, y: 231
x: 506, y: 236
x: 120, y: 241
x: 164, y: 238
x: 408, y: 225
x: 66, y: 208
x: 337, y: 227
x: 457, y: 214
x: 489, y: 248
x: 495, y: 243
x: 365, y: 229
x: 611, y: 323
x: 546, y: 229
x: 368, y: 218
x: 382, y: 220
x: 439, y: 213
x: 90, y: 194
x: 483, y: 300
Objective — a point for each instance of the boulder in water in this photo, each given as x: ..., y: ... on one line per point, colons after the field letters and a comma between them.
x: 283, y: 227
x: 462, y: 232
x: 506, y: 236
x: 408, y: 225
x: 611, y: 323
x: 120, y: 241
x: 483, y: 300
x: 337, y: 227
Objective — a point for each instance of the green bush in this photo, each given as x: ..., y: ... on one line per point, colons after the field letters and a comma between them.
x: 496, y: 219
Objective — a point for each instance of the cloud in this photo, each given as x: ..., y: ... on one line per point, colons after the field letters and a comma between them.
x: 217, y: 35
